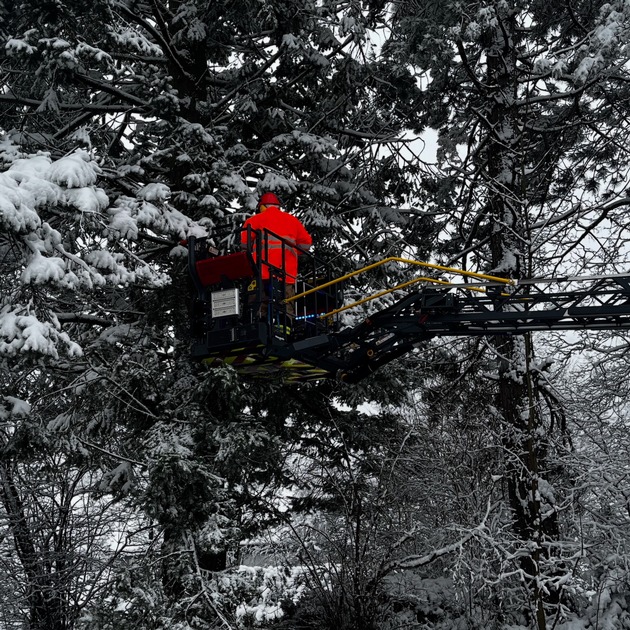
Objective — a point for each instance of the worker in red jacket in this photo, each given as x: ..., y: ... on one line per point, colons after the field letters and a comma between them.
x: 276, y: 253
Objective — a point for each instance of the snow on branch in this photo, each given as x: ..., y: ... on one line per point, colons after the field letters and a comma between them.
x: 22, y: 332
x: 416, y: 561
x: 67, y: 238
x: 11, y: 406
x: 413, y: 562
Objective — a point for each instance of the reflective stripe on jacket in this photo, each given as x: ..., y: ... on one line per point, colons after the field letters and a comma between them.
x: 286, y: 226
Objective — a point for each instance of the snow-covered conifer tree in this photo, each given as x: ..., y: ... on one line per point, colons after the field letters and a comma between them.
x: 528, y: 102
x: 126, y: 127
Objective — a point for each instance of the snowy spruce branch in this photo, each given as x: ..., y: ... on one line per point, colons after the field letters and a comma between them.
x: 66, y: 237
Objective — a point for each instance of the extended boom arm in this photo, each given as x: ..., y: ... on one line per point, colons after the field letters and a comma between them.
x: 311, y: 344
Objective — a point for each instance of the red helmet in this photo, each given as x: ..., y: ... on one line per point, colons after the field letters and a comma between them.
x: 269, y: 199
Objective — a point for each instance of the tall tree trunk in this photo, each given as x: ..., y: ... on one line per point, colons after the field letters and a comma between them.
x: 46, y: 608
x: 507, y: 191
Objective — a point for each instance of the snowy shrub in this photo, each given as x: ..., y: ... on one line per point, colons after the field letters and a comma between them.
x: 259, y: 596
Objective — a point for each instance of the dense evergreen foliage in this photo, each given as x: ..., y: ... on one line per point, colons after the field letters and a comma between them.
x: 471, y: 484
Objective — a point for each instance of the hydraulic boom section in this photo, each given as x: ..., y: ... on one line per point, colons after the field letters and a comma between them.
x: 261, y: 329
x: 592, y: 304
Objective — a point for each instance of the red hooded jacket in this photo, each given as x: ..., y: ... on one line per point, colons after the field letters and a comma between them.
x: 286, y: 226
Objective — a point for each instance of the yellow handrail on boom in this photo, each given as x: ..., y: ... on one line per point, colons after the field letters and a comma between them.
x: 461, y: 272
x: 396, y: 288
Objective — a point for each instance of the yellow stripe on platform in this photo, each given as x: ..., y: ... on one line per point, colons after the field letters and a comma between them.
x: 257, y: 366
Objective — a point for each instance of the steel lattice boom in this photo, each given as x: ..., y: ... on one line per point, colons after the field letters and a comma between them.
x: 602, y: 304
x: 310, y: 344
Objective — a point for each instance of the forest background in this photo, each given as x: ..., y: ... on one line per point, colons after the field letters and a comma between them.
x: 474, y: 483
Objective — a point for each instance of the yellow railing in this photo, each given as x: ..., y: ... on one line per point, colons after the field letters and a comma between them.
x: 461, y: 272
